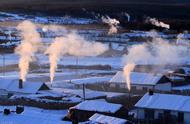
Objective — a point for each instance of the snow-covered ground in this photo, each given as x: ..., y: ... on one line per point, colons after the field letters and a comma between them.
x: 33, y: 116
x: 66, y: 60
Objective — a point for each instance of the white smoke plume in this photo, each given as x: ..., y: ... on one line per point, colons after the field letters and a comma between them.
x: 72, y: 44
x: 128, y: 16
x: 182, y: 39
x: 158, y: 52
x: 30, y: 44
x: 113, y: 23
x: 157, y: 23
x: 127, y: 70
x: 54, y: 28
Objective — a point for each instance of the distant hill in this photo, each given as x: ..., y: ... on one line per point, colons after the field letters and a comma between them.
x: 163, y: 9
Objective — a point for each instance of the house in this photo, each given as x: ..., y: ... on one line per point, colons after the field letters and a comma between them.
x: 180, y: 76
x: 142, y: 81
x: 84, y: 110
x: 12, y: 86
x: 104, y: 119
x: 163, y: 109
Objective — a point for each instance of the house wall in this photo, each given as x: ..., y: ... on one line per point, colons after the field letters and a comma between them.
x: 164, y: 87
x: 157, y: 112
x: 187, y: 118
x: 142, y: 87
x: 141, y: 115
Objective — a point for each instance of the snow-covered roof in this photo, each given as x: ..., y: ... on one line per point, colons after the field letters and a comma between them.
x: 5, y: 83
x: 137, y: 78
x: 184, y: 87
x: 13, y: 86
x: 98, y: 106
x: 165, y: 102
x: 103, y: 119
x: 91, y: 80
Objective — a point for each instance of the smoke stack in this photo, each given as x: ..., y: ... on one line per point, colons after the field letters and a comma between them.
x: 151, y: 92
x: 20, y: 84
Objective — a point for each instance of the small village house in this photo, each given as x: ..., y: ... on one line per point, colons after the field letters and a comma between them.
x: 163, y: 109
x: 142, y: 81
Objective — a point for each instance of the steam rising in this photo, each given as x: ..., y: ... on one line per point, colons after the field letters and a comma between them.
x: 29, y: 46
x: 157, y: 23
x: 127, y: 70
x: 182, y: 40
x: 159, y: 52
x: 127, y: 15
x: 113, y: 23
x: 72, y: 44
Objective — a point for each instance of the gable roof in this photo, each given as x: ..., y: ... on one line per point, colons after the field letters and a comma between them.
x: 137, y: 78
x: 98, y: 106
x: 103, y: 119
x: 165, y: 102
x: 28, y: 87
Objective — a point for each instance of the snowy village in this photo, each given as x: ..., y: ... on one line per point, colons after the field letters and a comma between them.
x: 94, y: 62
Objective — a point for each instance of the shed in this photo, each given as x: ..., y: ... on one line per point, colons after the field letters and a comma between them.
x: 12, y: 86
x: 104, y: 119
x: 84, y: 110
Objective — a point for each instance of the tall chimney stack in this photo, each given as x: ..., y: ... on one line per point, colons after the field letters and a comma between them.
x: 20, y: 84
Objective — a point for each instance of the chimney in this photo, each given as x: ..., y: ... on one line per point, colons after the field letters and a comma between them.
x: 20, y: 84
x: 151, y: 92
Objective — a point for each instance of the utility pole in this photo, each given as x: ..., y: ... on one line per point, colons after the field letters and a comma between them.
x: 3, y: 64
x: 84, y: 94
x: 77, y: 62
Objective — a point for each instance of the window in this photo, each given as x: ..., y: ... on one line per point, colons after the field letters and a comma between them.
x: 149, y: 114
x: 180, y: 116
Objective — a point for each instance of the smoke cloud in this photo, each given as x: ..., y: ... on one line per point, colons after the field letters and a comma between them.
x: 157, y: 23
x: 29, y: 46
x: 113, y: 23
x: 126, y: 15
x: 182, y: 39
x: 158, y: 52
x: 72, y: 44
x: 127, y: 70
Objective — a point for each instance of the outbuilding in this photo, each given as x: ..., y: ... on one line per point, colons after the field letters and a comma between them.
x: 12, y: 86
x: 84, y: 110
